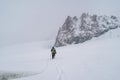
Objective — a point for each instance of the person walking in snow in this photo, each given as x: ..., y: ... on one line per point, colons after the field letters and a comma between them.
x: 53, y: 51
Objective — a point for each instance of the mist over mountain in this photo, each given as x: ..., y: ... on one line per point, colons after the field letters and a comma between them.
x: 23, y: 21
x: 80, y: 29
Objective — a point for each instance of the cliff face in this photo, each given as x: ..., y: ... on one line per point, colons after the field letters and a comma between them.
x: 78, y: 30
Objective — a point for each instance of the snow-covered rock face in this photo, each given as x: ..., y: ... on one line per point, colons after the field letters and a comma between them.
x: 78, y: 30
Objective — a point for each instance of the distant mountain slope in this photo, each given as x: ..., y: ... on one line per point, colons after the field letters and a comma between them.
x: 78, y: 30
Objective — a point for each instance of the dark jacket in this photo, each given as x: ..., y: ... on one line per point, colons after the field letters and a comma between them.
x: 53, y: 52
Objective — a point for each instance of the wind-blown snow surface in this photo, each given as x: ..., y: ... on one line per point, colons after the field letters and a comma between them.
x: 97, y: 59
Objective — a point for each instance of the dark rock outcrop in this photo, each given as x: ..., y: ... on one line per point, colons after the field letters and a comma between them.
x: 78, y: 30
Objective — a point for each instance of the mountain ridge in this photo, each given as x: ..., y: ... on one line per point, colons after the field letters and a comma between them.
x: 78, y: 30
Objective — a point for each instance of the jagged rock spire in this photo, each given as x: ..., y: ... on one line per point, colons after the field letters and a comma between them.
x: 78, y: 30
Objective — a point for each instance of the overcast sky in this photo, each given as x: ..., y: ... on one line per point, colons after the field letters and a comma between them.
x: 34, y: 20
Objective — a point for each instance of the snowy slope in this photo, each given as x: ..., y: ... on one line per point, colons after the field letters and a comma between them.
x: 97, y: 59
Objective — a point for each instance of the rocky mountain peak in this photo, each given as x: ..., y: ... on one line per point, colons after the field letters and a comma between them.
x: 78, y: 30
